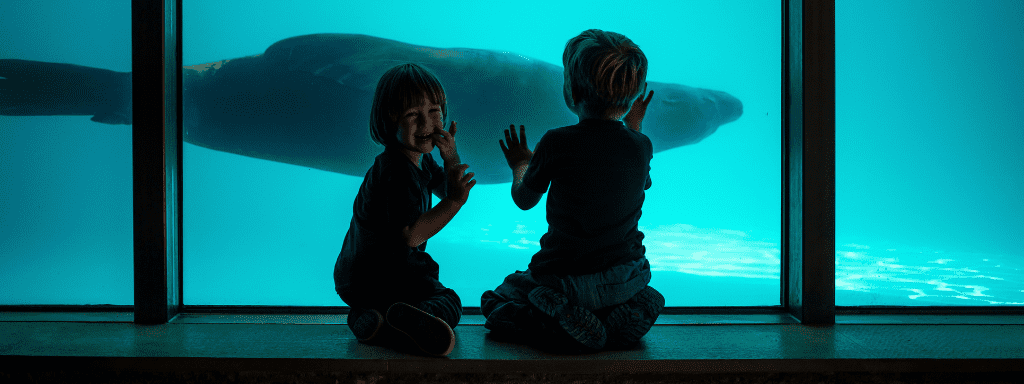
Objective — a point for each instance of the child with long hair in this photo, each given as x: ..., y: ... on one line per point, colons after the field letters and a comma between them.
x: 383, y: 272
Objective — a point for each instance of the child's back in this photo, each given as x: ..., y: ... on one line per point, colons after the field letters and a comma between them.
x: 598, y: 171
x: 588, y: 283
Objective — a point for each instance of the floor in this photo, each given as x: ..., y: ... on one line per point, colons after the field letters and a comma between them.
x: 677, y: 344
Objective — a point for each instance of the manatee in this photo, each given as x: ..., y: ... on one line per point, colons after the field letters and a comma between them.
x: 306, y: 101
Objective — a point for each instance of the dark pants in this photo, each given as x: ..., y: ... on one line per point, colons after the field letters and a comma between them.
x: 442, y: 302
x: 508, y: 309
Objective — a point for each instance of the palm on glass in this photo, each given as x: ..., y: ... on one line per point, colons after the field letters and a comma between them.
x: 516, y: 152
x: 635, y: 117
x: 445, y: 143
x: 459, y: 184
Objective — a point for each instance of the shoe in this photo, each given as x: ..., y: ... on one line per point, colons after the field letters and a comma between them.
x: 627, y: 323
x: 365, y: 323
x: 431, y: 334
x: 578, y: 322
x: 650, y: 301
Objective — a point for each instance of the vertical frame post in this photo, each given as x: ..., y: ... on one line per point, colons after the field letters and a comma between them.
x: 156, y: 158
x: 808, y: 245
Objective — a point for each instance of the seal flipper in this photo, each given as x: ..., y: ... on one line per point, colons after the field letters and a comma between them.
x: 36, y: 88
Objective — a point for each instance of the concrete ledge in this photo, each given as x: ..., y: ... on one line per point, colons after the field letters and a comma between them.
x: 685, y: 344
x: 88, y: 377
x: 583, y: 367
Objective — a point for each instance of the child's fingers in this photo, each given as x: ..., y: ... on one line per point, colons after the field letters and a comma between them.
x: 522, y: 133
x: 443, y: 133
x: 451, y: 129
x: 467, y: 178
x: 504, y: 149
x: 511, y: 139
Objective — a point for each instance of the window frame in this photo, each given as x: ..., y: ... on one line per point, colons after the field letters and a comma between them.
x: 808, y: 151
x: 807, y: 248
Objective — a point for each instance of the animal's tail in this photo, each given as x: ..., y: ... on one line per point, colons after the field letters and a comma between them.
x: 36, y: 88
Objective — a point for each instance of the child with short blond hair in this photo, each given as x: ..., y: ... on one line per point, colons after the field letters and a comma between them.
x: 588, y: 284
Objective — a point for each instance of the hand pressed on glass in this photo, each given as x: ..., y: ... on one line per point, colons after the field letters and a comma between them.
x: 445, y: 142
x: 517, y: 150
x: 459, y: 185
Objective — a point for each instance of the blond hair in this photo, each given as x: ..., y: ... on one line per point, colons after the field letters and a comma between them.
x: 604, y: 69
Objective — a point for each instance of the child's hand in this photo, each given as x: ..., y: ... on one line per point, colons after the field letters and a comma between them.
x: 459, y: 185
x: 517, y: 151
x: 445, y: 142
x: 635, y: 117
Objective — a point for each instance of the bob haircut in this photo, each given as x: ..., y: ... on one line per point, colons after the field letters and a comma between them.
x: 605, y: 69
x: 400, y: 88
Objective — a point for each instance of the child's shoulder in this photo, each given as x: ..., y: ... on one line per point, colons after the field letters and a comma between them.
x: 390, y: 165
x: 561, y: 132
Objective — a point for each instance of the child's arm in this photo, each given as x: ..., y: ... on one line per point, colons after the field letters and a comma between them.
x: 445, y: 143
x: 431, y: 222
x: 524, y: 197
x: 518, y: 155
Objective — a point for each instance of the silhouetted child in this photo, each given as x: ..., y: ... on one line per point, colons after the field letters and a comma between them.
x: 382, y: 272
x: 588, y: 283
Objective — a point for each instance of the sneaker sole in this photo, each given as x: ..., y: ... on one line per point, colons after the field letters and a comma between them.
x: 581, y: 324
x: 548, y: 301
x: 423, y: 328
x: 361, y: 323
x: 626, y: 326
x: 584, y: 327
x: 651, y: 301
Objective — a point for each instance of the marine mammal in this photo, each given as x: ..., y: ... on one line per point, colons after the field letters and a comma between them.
x: 306, y: 101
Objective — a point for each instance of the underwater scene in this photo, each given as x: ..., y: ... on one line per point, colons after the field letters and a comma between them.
x: 927, y: 212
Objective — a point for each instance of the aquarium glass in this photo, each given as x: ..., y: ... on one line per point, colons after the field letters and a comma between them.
x: 65, y: 181
x: 929, y: 160
x: 260, y: 232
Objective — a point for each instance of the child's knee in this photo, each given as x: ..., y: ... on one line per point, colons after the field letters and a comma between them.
x: 490, y: 301
x: 456, y: 300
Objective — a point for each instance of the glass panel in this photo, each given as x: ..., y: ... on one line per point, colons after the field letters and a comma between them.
x: 928, y: 153
x: 65, y: 181
x: 265, y: 232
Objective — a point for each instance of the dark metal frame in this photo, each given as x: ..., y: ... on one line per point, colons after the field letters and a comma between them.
x: 808, y: 160
x: 808, y: 177
x: 156, y: 157
x: 808, y: 273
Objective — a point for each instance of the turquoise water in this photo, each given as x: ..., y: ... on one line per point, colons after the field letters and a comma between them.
x: 65, y: 181
x: 927, y: 212
x: 929, y: 160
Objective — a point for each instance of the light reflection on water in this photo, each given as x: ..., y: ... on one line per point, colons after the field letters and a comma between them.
x: 710, y: 252
x: 864, y: 275
x: 929, y: 276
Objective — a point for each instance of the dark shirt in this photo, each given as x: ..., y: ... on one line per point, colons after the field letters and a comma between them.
x: 374, y: 254
x: 598, y: 171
